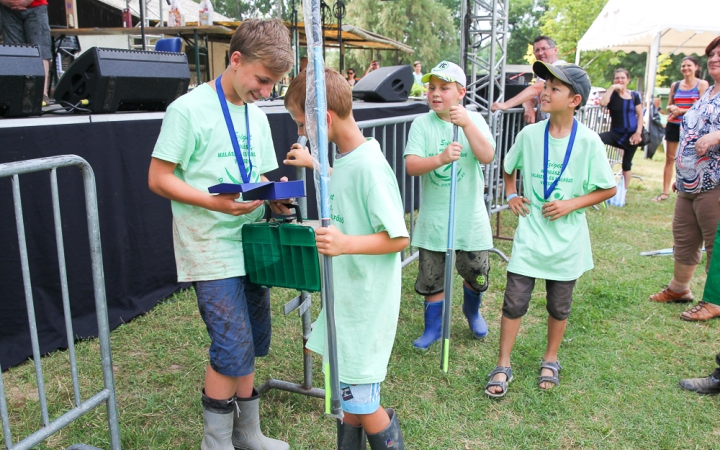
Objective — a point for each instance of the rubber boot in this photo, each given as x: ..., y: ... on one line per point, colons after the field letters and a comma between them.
x: 350, y: 437
x: 433, y: 324
x: 246, y: 432
x: 217, y: 423
x: 471, y: 308
x: 390, y: 437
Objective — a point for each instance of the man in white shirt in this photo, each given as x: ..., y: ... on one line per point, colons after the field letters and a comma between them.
x: 545, y: 50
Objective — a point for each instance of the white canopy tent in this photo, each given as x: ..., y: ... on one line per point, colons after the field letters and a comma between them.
x: 655, y: 27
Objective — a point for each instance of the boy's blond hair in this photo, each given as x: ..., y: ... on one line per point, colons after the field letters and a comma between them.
x: 339, y: 93
x: 267, y: 41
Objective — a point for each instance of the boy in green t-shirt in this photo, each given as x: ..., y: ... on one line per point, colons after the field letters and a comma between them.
x: 368, y: 231
x: 428, y: 153
x: 564, y: 171
x: 193, y: 152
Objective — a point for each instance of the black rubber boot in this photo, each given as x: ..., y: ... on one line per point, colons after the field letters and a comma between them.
x: 350, y: 437
x: 217, y: 423
x: 390, y: 437
x: 708, y: 385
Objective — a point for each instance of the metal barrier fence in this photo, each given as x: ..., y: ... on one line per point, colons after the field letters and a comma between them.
x: 392, y: 134
x: 107, y: 394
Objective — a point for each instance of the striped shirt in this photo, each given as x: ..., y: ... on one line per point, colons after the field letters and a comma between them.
x: 684, y: 99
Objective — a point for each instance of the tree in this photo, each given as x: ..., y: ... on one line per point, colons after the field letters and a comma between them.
x: 524, y: 26
x: 425, y: 25
x: 566, y: 21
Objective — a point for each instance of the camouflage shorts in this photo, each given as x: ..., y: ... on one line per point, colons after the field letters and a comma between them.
x: 473, y: 266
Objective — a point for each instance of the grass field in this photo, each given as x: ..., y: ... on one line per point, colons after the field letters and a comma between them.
x: 622, y: 357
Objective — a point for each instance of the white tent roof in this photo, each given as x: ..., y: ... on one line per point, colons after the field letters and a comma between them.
x: 631, y: 25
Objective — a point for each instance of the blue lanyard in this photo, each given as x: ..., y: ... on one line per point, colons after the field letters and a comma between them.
x: 548, y: 191
x: 245, y: 174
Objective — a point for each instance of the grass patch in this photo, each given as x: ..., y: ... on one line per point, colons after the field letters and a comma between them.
x: 622, y: 358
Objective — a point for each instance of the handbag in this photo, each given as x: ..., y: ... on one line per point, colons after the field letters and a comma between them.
x: 619, y: 198
x: 644, y: 138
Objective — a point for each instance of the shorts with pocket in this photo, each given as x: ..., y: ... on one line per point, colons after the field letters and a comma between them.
x: 519, y: 290
x: 473, y: 266
x: 360, y: 398
x: 237, y: 316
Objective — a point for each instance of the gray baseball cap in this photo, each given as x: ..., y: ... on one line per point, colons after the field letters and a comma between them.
x: 570, y: 74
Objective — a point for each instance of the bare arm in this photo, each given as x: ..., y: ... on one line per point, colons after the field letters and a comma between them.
x: 332, y: 242
x: 605, y: 99
x: 518, y: 205
x: 559, y: 208
x: 527, y: 94
x: 417, y: 165
x: 162, y: 181
x: 637, y: 136
x: 300, y: 156
x: 704, y: 143
x: 479, y: 145
x: 529, y: 114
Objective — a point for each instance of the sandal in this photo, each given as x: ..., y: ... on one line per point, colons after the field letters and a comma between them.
x: 555, y: 368
x: 661, y: 197
x: 701, y: 312
x: 501, y: 384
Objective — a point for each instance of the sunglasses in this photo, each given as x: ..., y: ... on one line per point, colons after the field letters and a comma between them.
x: 351, y: 73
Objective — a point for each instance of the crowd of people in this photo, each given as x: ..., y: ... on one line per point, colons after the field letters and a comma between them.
x: 368, y: 231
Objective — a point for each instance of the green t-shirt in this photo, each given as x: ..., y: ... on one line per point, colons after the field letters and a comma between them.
x: 429, y: 136
x: 557, y: 250
x: 364, y: 199
x: 208, y: 244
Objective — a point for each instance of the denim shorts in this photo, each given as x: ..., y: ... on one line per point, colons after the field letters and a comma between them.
x: 29, y: 26
x: 360, y: 398
x: 237, y: 316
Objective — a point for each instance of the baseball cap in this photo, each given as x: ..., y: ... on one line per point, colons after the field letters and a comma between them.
x: 447, y: 71
x: 570, y: 74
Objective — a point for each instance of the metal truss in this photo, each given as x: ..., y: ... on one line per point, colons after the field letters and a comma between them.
x: 483, y: 44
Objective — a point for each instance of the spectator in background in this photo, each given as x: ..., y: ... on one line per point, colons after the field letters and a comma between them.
x: 351, y: 77
x: 544, y: 50
x: 683, y: 94
x: 417, y: 66
x: 626, y: 119
x: 303, y: 64
x: 25, y: 22
x: 373, y: 66
x: 697, y: 182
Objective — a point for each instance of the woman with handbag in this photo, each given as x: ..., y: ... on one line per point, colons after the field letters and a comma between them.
x: 683, y: 94
x: 697, y: 212
x: 626, y: 120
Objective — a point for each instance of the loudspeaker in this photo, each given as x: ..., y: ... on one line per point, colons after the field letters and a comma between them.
x: 386, y: 84
x: 511, y: 90
x: 124, y: 80
x: 22, y: 77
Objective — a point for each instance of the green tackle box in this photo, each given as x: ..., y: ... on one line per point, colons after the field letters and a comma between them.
x: 281, y: 254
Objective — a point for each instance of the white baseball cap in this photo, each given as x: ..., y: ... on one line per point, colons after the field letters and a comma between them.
x: 447, y: 71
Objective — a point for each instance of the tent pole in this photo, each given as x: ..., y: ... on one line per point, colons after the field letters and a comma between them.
x: 650, y: 82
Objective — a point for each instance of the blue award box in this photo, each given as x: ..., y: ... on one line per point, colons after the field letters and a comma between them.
x: 268, y: 190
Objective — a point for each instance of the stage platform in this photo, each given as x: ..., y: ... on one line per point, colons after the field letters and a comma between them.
x: 135, y: 224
